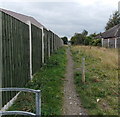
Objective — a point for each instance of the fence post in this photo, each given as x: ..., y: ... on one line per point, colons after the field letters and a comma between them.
x: 38, y: 103
x: 42, y: 45
x: 30, y: 43
x: 83, y: 70
x: 115, y: 42
x: 108, y: 43
x: 102, y: 42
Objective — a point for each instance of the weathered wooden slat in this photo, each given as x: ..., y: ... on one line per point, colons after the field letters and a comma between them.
x: 36, y: 48
x: 45, y: 44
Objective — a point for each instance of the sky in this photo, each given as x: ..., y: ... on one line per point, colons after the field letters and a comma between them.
x: 66, y: 17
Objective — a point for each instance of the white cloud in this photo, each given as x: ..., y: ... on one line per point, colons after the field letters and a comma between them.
x: 66, y: 18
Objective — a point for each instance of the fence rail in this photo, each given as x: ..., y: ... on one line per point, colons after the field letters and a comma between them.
x: 38, y: 102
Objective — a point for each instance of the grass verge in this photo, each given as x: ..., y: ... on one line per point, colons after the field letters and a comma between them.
x: 49, y: 80
x: 99, y: 94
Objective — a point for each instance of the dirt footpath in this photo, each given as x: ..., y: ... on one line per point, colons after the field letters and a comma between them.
x: 72, y: 104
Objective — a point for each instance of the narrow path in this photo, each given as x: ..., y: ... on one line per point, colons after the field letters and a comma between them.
x: 72, y: 104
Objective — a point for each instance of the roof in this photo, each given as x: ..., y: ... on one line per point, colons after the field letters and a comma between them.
x: 98, y: 36
x: 22, y: 18
x: 112, y: 33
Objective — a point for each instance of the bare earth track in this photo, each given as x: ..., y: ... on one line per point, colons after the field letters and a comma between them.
x: 72, y: 104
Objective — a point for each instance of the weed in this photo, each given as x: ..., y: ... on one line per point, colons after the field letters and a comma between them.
x: 99, y: 94
x: 49, y: 81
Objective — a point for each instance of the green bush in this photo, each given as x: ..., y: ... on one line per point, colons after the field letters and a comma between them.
x: 96, y: 42
x: 80, y: 39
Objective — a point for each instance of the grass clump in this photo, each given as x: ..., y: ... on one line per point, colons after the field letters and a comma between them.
x: 99, y: 94
x: 49, y: 80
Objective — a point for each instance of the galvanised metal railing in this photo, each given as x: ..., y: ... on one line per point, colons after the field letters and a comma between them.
x: 38, y: 102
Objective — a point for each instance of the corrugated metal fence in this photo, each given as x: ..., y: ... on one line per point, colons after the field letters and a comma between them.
x: 15, y: 52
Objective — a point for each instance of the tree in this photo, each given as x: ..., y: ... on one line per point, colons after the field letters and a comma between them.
x: 85, y: 32
x: 94, y: 35
x: 113, y: 20
x: 65, y: 40
x: 77, y: 39
x: 88, y: 40
x: 85, y: 39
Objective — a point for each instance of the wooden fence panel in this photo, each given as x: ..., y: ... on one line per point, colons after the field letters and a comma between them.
x: 36, y: 48
x: 45, y: 45
x: 15, y: 54
x: 51, y: 42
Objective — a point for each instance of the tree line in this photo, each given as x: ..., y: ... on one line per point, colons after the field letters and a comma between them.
x: 84, y: 39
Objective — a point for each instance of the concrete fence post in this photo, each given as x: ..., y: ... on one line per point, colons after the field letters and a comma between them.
x: 108, y: 43
x: 30, y: 43
x: 102, y: 42
x: 42, y: 45
x: 115, y: 42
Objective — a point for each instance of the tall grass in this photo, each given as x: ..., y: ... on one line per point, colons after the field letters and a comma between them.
x: 108, y: 57
x: 100, y: 92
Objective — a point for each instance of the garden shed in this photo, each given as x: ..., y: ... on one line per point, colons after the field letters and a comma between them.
x: 111, y: 38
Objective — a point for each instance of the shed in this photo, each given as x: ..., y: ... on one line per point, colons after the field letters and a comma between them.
x: 111, y: 37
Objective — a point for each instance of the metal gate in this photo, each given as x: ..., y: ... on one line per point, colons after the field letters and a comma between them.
x: 38, y: 102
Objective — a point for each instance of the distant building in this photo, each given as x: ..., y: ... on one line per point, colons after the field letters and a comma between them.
x: 111, y: 38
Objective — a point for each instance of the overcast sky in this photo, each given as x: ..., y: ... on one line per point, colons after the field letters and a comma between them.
x: 66, y: 17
